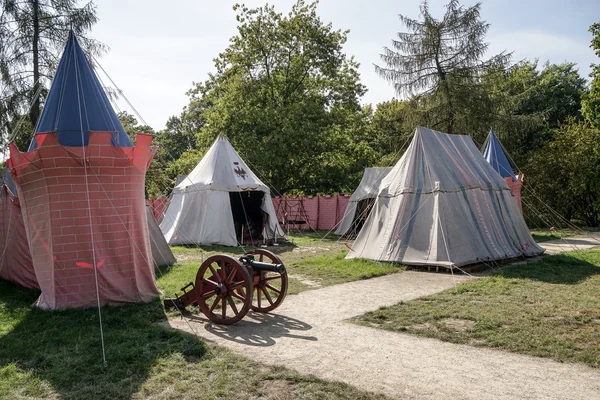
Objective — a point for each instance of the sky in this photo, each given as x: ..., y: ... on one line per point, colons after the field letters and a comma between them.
x: 158, y: 49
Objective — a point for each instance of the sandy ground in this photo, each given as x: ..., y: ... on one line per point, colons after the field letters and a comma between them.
x: 309, y: 333
x: 582, y: 242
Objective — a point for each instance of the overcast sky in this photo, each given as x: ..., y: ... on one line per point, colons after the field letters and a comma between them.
x: 159, y: 48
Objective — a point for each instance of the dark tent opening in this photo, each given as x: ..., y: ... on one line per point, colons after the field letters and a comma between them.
x: 363, y: 209
x: 247, y: 213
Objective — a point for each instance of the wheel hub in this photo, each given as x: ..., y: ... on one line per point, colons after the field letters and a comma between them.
x: 221, y: 289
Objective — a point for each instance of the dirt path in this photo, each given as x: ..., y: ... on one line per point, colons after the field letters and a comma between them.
x: 309, y: 334
x: 580, y: 242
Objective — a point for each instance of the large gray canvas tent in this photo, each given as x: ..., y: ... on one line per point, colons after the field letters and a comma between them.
x: 443, y: 204
x: 361, y: 201
x: 220, y: 202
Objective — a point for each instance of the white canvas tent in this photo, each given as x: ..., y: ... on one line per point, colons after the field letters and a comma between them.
x: 443, y: 204
x: 361, y: 201
x: 218, y: 199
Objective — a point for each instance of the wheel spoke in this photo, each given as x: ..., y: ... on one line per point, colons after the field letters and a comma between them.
x: 214, y: 304
x: 238, y: 296
x: 260, y: 258
x: 258, y: 296
x: 231, y: 275
x: 273, y: 288
x: 205, y: 280
x: 215, y: 273
x: 272, y: 278
x: 232, y: 304
x: 208, y: 295
x: 223, y: 308
x: 235, y: 285
x: 267, y: 295
x: 223, y: 272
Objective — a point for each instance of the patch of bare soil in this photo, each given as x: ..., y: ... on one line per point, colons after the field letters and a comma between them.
x: 312, y: 249
x: 459, y: 325
x: 305, y: 280
x: 276, y: 389
x: 423, y: 327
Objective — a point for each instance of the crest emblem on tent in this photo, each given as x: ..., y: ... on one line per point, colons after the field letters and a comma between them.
x: 239, y: 171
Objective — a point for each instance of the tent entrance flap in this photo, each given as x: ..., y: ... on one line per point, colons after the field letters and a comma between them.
x: 363, y: 208
x: 247, y: 212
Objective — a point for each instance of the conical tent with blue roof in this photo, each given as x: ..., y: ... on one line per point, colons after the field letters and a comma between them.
x: 76, y: 87
x: 81, y: 189
x: 493, y: 152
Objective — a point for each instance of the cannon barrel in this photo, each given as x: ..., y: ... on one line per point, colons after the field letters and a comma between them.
x: 263, y: 266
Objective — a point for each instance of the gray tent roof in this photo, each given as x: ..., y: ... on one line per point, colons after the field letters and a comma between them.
x: 368, y: 188
x: 443, y: 204
x: 161, y: 252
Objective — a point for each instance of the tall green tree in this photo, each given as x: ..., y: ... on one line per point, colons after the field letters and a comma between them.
x: 591, y: 104
x: 526, y: 102
x: 286, y: 95
x: 565, y: 173
x: 32, y: 34
x: 441, y: 60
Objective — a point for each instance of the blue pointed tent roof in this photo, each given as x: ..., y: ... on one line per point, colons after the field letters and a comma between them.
x: 77, y: 102
x: 494, y: 154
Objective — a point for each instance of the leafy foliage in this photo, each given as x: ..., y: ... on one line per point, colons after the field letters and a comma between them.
x: 591, y: 104
x: 565, y: 172
x: 288, y: 99
x: 32, y: 33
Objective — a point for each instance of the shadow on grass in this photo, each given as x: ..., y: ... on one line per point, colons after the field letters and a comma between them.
x: 63, y: 348
x: 559, y: 269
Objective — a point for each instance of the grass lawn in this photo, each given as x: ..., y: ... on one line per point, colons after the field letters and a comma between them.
x: 57, y: 354
x: 311, y: 262
x: 550, y: 308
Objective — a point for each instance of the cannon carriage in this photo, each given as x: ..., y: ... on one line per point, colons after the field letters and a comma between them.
x: 225, y: 289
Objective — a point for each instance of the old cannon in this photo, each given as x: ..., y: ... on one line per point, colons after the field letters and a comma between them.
x: 226, y: 288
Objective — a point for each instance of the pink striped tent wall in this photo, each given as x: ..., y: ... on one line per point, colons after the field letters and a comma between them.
x: 320, y: 212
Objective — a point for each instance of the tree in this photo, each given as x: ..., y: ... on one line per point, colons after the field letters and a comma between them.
x: 440, y: 61
x: 32, y: 33
x: 565, y: 172
x: 525, y: 103
x: 591, y: 104
x: 285, y: 94
x: 393, y: 125
x: 157, y: 182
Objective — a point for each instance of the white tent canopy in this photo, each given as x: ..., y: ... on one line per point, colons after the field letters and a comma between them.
x: 368, y: 188
x: 443, y: 204
x: 220, y: 195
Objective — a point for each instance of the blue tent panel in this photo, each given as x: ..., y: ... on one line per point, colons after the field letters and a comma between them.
x: 494, y: 154
x: 77, y: 102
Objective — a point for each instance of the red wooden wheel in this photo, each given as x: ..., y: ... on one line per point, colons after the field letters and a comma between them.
x: 224, y: 289
x: 269, y: 288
